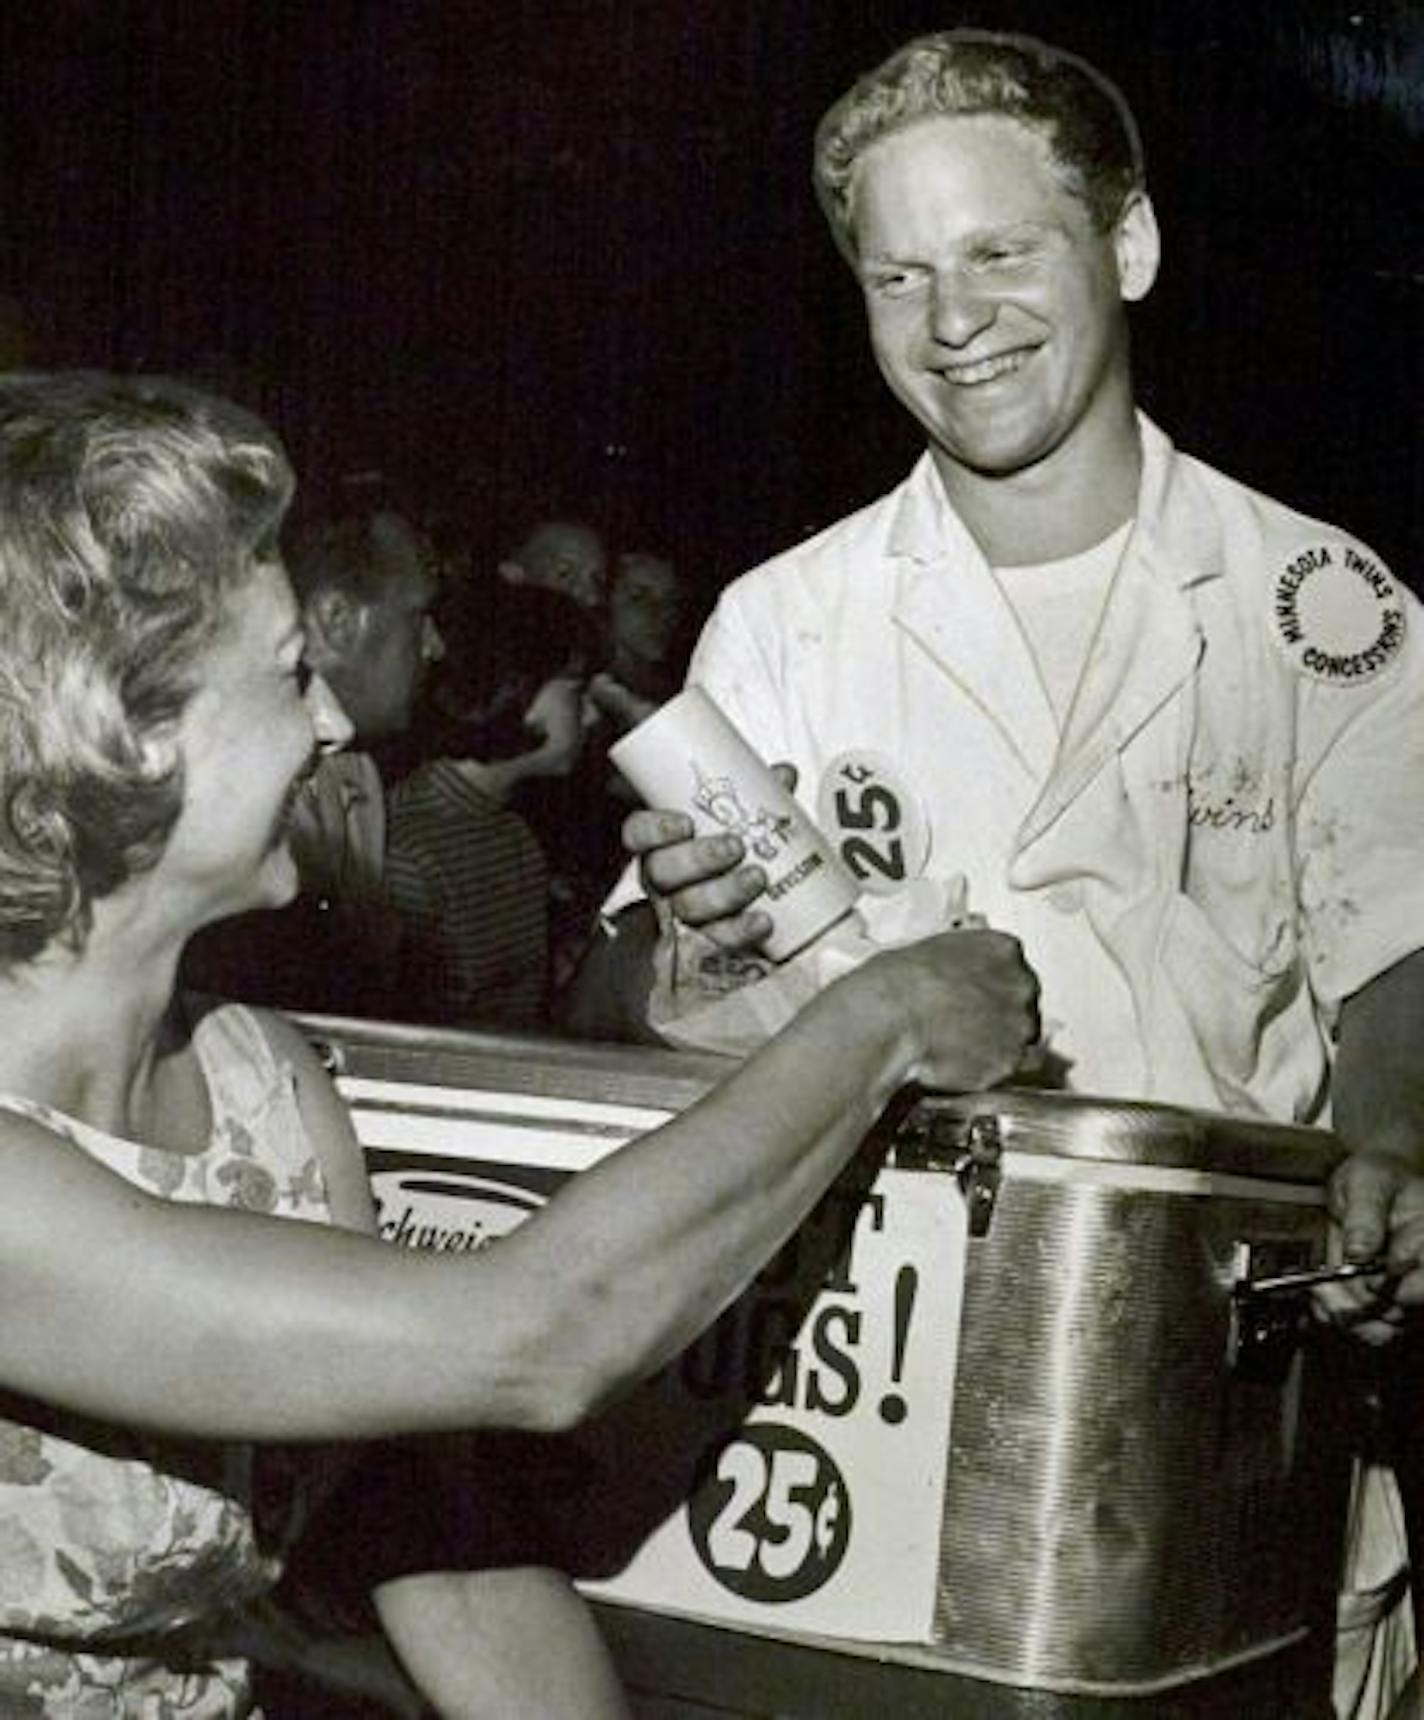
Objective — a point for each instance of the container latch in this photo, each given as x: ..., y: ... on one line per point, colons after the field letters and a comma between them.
x: 978, y: 1169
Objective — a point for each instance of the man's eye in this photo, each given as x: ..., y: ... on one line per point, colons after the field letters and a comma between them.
x: 892, y: 283
x: 302, y: 675
x: 1001, y: 256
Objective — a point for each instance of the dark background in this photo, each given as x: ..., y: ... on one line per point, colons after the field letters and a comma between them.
x: 566, y: 254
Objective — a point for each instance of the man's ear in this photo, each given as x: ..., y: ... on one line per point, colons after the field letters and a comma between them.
x: 1138, y: 245
x: 333, y: 625
x: 512, y: 573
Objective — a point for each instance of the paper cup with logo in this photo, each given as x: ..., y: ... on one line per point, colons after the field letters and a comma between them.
x: 688, y: 756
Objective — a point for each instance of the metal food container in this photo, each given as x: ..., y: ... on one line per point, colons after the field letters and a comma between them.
x: 1141, y: 1489
x: 1143, y: 1449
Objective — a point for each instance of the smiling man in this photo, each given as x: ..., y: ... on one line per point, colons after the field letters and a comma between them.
x: 1165, y: 729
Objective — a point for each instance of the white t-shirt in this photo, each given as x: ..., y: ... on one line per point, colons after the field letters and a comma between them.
x: 1058, y: 604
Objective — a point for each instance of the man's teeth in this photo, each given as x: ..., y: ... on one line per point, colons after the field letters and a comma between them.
x: 985, y: 370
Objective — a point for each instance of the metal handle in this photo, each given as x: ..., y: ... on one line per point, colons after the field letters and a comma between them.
x: 1268, y: 1315
x: 1287, y: 1283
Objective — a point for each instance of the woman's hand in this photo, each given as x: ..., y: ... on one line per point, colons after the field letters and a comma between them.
x: 968, y: 1002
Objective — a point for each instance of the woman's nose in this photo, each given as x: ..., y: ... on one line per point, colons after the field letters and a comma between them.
x: 330, y: 724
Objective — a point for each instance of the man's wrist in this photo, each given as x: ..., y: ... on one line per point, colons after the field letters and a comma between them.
x: 1397, y: 1141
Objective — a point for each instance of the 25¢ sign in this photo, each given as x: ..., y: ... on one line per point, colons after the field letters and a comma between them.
x: 874, y: 819
x: 773, y: 1520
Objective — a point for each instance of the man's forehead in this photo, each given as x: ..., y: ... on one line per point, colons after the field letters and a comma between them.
x: 413, y: 587
x: 938, y: 155
x: 647, y: 572
x: 412, y: 578
x: 393, y: 535
x: 564, y: 539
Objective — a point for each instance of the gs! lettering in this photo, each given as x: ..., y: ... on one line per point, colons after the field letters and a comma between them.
x: 752, y: 1350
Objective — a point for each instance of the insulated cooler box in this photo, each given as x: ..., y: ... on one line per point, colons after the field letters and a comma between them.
x: 1140, y: 1465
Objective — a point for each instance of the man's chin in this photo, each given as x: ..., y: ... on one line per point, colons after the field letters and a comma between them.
x: 277, y: 884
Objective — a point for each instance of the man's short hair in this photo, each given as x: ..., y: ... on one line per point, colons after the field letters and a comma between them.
x: 343, y: 552
x: 1083, y: 117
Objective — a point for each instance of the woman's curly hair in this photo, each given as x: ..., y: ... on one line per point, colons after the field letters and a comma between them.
x: 131, y: 509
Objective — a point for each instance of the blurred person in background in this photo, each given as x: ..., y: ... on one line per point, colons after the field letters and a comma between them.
x: 474, y: 895
x: 648, y: 636
x: 560, y: 554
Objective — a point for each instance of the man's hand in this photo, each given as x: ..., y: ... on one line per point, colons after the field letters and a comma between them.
x: 1377, y: 1103
x: 556, y: 717
x: 1379, y: 1205
x: 620, y: 704
x: 701, y: 880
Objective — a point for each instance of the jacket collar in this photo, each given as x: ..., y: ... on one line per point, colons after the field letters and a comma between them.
x: 925, y: 530
x: 1148, y: 642
x: 947, y: 599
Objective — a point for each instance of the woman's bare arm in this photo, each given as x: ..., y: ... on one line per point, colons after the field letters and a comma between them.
x: 216, y: 1322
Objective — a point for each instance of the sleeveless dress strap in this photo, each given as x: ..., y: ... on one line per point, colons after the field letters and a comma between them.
x: 262, y: 1151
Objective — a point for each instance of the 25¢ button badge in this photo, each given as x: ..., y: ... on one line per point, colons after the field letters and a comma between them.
x: 874, y: 819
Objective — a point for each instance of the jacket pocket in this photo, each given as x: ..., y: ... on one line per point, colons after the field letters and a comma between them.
x: 1254, y: 1020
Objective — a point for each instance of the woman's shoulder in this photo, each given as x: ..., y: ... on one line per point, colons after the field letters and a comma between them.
x: 224, y: 1031
x: 318, y: 1115
x: 256, y: 1062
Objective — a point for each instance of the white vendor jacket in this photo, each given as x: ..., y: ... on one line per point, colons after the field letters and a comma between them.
x: 1226, y: 840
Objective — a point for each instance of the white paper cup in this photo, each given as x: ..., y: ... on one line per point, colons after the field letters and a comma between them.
x: 690, y: 758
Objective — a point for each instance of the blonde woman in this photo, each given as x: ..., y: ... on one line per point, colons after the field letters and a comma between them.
x: 186, y: 1264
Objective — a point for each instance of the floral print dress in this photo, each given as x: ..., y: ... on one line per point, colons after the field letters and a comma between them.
x: 122, y: 1555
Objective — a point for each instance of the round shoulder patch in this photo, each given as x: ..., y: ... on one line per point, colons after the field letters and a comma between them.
x: 1337, y: 615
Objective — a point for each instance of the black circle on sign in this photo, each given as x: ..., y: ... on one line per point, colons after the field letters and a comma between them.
x: 772, y: 1520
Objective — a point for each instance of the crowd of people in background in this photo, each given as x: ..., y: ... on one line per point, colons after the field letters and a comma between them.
x: 1065, y: 666
x: 454, y: 855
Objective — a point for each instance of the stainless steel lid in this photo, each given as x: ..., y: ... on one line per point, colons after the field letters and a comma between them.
x: 936, y: 1132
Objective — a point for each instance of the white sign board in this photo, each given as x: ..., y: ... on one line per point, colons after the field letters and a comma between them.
x: 821, y: 1512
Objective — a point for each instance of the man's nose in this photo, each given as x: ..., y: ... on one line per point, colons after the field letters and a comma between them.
x: 432, y: 641
x: 330, y: 724
x: 961, y: 308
